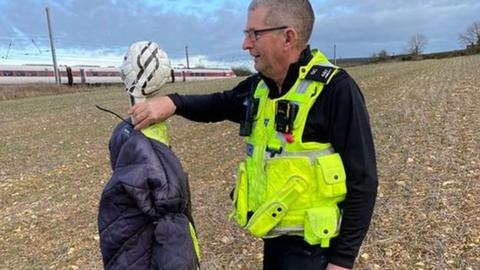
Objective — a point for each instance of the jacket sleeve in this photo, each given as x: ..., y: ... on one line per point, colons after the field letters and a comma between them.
x: 350, y: 134
x: 226, y: 105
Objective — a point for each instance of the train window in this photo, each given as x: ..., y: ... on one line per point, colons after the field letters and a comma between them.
x: 94, y: 73
x: 8, y: 73
x: 43, y: 73
x: 114, y: 74
x: 20, y: 73
x: 31, y: 73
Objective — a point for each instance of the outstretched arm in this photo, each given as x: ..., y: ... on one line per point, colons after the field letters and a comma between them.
x: 226, y: 105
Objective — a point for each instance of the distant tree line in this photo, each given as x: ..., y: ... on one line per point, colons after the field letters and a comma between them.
x: 471, y: 37
x: 416, y: 45
x: 242, y: 71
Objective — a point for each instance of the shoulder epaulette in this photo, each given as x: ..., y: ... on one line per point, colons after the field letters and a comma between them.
x: 321, y: 73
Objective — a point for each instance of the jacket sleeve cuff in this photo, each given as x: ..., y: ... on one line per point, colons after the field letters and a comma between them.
x: 343, y: 261
x: 177, y: 101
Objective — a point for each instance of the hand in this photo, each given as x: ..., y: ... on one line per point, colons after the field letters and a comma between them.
x: 154, y: 110
x: 335, y: 267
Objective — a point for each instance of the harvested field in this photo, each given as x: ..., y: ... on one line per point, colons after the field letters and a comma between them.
x: 16, y: 91
x: 426, y: 121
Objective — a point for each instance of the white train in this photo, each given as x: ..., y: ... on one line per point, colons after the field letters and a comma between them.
x: 94, y: 74
x: 189, y: 74
x: 68, y: 75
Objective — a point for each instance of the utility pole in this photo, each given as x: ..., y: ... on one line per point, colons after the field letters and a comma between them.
x: 52, y: 45
x: 186, y: 53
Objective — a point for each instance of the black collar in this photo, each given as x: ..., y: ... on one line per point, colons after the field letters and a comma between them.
x: 292, y: 75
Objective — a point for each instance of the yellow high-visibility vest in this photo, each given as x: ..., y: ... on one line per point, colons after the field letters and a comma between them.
x: 291, y: 187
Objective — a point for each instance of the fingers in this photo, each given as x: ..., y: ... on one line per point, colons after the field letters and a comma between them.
x: 142, y: 124
x: 134, y: 108
x: 137, y: 112
x: 139, y: 118
x: 143, y: 115
x: 154, y: 110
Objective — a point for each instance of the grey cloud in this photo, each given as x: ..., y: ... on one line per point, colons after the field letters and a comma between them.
x: 369, y: 26
x: 358, y: 27
x: 105, y: 24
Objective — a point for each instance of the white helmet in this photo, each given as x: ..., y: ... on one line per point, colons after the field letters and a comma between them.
x: 145, y: 69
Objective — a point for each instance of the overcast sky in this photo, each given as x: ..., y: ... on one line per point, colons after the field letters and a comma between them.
x: 100, y: 31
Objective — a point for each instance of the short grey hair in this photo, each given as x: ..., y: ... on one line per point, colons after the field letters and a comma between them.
x: 297, y: 14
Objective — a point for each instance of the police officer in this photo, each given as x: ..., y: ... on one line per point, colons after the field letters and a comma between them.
x: 308, y: 136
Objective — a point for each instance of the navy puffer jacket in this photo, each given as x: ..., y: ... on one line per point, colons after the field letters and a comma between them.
x: 144, y: 214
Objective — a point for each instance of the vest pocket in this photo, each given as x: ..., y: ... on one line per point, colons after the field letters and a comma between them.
x: 321, y: 225
x: 276, y: 208
x: 240, y: 197
x: 266, y: 218
x: 281, y: 171
x: 330, y: 175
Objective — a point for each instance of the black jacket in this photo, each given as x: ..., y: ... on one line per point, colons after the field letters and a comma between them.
x: 144, y: 211
x: 338, y: 116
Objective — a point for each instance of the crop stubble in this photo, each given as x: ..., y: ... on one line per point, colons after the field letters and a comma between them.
x: 425, y: 117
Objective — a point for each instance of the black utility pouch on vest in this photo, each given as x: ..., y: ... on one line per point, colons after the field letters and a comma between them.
x: 285, y: 114
x: 251, y: 107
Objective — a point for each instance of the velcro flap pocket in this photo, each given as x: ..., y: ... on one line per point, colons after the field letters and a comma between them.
x: 330, y: 175
x: 321, y: 225
x: 266, y: 218
x: 272, y: 212
x: 291, y: 172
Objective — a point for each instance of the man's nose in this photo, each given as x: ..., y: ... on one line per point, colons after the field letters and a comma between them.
x: 247, y: 43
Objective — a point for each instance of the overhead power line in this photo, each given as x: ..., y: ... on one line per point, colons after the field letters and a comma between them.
x: 35, y: 44
x: 8, y: 50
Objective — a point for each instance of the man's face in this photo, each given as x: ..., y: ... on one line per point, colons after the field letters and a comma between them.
x: 267, y: 47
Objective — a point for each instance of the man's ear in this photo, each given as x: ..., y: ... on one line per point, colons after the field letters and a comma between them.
x: 291, y: 38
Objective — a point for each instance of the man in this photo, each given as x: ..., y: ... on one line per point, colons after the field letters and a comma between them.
x: 308, y: 185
